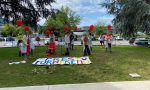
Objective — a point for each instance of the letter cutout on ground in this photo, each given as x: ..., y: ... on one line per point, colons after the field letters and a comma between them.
x: 62, y: 61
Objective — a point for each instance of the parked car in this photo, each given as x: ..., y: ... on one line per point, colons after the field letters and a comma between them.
x: 131, y: 41
x: 10, y: 39
x: 10, y: 44
x: 127, y: 38
x: 142, y: 42
x: 94, y: 39
x: 2, y: 39
x: 75, y: 39
x: 119, y: 38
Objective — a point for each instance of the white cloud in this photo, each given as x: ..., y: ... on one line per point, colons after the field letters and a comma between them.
x: 80, y: 6
x: 42, y: 21
x: 85, y: 8
x: 105, y: 19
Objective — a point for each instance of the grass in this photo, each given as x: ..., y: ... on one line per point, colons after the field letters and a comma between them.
x: 113, y: 66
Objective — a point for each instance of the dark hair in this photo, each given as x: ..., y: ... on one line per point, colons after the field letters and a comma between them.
x: 90, y: 33
x: 19, y: 41
x: 67, y: 32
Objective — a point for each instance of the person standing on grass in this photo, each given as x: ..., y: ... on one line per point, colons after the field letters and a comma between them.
x: 27, y: 41
x: 82, y: 40
x: 86, y: 48
x: 71, y: 40
x: 101, y: 38
x: 52, y: 37
x: 67, y: 43
x: 32, y: 45
x: 106, y: 42
x: 90, y: 41
x: 109, y: 39
x: 24, y: 45
x: 22, y: 48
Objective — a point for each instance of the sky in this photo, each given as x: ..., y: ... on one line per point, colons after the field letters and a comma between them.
x: 89, y: 10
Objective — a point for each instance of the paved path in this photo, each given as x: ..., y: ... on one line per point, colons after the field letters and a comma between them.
x: 124, y: 42
x: 9, y: 44
x: 128, y: 85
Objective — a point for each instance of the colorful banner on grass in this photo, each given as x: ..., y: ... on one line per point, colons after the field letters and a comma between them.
x: 62, y: 61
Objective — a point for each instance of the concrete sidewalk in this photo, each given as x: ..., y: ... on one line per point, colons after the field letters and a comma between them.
x: 127, y: 85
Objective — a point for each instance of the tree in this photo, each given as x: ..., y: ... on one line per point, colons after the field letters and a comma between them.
x: 63, y: 17
x: 27, y: 10
x: 100, y: 28
x: 9, y: 30
x: 131, y: 16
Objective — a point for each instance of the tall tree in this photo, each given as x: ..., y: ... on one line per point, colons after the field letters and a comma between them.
x: 63, y: 17
x: 9, y: 30
x: 27, y: 10
x: 100, y: 28
x: 131, y: 16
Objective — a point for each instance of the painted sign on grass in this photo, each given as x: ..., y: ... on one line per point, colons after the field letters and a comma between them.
x: 62, y: 61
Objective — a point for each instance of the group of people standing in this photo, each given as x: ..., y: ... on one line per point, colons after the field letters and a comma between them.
x: 87, y: 44
x: 26, y: 45
x: 69, y: 42
x: 106, y: 40
x: 86, y: 41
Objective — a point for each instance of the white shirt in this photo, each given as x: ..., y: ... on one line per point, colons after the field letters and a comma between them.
x: 23, y: 48
x: 90, y: 40
x: 67, y: 38
x: 32, y: 45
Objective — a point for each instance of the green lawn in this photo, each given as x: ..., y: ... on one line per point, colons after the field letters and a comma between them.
x: 113, y: 66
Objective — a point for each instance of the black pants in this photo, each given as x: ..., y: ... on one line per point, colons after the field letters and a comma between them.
x: 109, y: 45
x: 87, y: 50
x: 21, y: 54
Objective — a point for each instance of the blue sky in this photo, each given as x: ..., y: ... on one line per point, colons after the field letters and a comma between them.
x: 89, y: 10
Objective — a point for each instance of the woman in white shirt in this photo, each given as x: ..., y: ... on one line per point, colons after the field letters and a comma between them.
x: 27, y: 41
x: 67, y: 43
